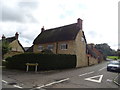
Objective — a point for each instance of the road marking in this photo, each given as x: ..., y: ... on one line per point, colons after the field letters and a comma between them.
x: 53, y: 83
x: 86, y: 73
x: 91, y: 72
x: 17, y: 86
x: 12, y: 85
x: 5, y: 81
x: 83, y: 74
x: 94, y: 80
x: 102, y: 68
x: 108, y: 80
x: 115, y: 81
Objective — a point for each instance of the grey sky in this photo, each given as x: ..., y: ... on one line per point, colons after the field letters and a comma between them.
x: 20, y: 12
x: 100, y: 18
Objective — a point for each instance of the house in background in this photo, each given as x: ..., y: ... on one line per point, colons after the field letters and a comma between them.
x: 29, y: 49
x: 94, y: 56
x: 68, y: 39
x: 15, y: 45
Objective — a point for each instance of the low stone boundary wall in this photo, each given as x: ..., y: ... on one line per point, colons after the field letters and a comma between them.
x: 93, y: 61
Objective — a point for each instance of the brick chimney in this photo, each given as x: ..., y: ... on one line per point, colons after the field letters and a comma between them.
x: 16, y: 35
x: 42, y: 29
x: 79, y: 23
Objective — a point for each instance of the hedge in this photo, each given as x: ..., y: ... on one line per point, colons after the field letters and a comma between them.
x: 4, y: 63
x: 45, y: 61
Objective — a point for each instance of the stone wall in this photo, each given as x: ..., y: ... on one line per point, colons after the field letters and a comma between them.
x: 81, y: 50
x: 70, y: 50
x: 57, y: 49
x: 15, y: 46
x: 92, y: 61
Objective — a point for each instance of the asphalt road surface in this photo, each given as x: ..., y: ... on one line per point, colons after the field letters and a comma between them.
x: 95, y: 76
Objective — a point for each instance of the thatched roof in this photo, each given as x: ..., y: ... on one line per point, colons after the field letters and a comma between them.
x: 11, y: 39
x: 63, y: 33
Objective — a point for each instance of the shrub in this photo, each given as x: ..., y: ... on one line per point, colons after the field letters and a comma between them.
x: 4, y: 63
x: 45, y: 61
x: 46, y: 51
x: 118, y: 57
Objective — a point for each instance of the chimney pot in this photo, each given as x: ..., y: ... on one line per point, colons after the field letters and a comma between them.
x: 16, y: 35
x: 3, y: 37
x: 42, y: 29
x: 79, y: 23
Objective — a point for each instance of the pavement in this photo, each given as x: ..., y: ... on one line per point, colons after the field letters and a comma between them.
x: 95, y: 76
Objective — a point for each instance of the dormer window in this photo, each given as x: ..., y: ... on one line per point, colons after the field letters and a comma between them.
x: 63, y: 46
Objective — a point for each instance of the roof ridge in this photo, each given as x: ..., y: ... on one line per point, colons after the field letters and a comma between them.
x: 10, y: 37
x: 60, y: 27
x: 62, y: 33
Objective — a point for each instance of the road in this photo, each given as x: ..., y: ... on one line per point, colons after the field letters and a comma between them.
x: 95, y: 76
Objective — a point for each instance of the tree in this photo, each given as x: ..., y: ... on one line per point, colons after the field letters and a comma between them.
x: 105, y: 49
x: 118, y: 53
x: 5, y: 48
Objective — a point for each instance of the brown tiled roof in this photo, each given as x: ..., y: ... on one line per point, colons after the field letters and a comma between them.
x: 64, y: 33
x: 97, y: 52
x: 94, y: 52
x: 91, y: 51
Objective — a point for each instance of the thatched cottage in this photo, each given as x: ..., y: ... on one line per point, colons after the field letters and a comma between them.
x: 14, y: 44
x: 68, y: 39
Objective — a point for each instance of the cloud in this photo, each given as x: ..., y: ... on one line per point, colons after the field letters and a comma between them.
x: 28, y: 4
x: 9, y: 14
x: 27, y: 31
x: 18, y: 13
x: 92, y: 34
x: 28, y: 16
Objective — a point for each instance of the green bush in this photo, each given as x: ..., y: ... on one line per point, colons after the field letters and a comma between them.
x: 118, y: 57
x: 45, y: 61
x: 46, y: 51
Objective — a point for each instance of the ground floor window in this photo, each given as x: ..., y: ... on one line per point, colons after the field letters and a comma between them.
x: 50, y: 47
x: 64, y: 46
x: 40, y: 48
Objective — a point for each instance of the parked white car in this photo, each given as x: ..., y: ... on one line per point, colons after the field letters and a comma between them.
x: 113, y: 66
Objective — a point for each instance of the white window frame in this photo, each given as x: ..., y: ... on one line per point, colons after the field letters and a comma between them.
x: 50, y: 47
x: 40, y: 48
x: 64, y: 46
